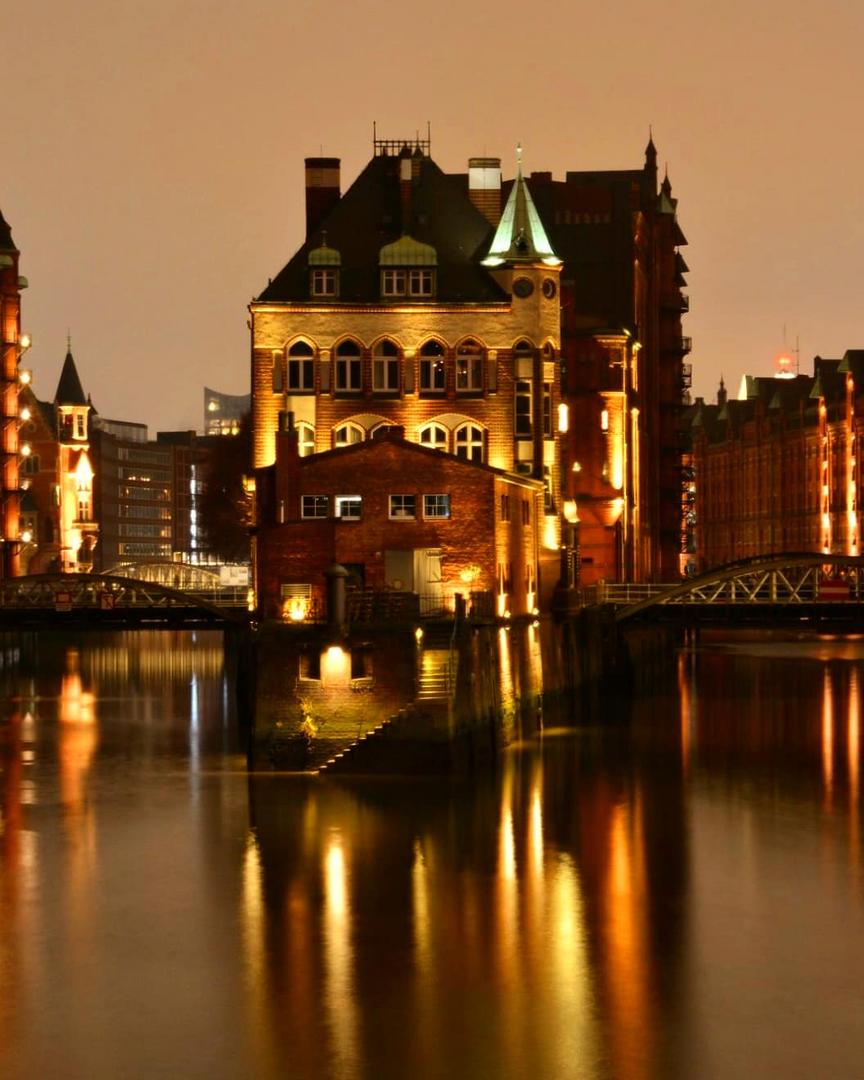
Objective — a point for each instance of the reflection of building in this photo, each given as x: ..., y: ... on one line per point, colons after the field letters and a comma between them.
x: 402, y: 517
x: 776, y: 470
x: 223, y: 413
x: 11, y: 347
x: 417, y: 301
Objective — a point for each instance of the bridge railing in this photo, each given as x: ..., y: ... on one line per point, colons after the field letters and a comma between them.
x: 610, y: 592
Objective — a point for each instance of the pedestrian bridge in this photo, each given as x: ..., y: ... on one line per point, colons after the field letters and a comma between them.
x: 786, y: 589
x: 79, y: 601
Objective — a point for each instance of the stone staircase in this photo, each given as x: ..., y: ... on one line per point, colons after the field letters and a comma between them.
x: 435, y: 677
x: 364, y: 754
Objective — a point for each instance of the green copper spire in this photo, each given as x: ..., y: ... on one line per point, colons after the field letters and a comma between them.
x: 520, y: 236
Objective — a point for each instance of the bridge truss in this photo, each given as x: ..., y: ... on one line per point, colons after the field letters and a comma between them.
x: 801, y: 583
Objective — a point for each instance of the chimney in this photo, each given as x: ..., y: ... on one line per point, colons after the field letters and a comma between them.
x: 484, y: 186
x: 322, y: 190
x: 406, y: 184
x: 287, y: 468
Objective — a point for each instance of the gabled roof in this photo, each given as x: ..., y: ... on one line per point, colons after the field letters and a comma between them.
x: 372, y: 214
x: 69, y: 389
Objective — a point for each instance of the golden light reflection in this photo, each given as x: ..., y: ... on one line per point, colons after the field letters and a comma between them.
x: 686, y: 700
x: 254, y: 928
x: 854, y: 736
x: 340, y: 1001
x: 828, y: 736
x: 570, y: 970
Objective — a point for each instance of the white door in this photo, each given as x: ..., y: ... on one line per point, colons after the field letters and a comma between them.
x: 427, y: 580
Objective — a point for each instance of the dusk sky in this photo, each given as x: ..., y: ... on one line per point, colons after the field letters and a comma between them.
x: 152, y: 162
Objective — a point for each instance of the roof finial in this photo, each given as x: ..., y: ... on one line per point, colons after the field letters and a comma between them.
x: 519, y: 157
x: 68, y: 340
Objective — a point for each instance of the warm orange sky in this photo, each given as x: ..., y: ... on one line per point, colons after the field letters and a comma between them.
x: 152, y: 160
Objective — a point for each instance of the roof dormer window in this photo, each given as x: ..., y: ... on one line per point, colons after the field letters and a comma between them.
x: 324, y: 264
x: 408, y: 269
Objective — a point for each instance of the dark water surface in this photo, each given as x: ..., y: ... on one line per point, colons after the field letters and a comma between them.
x: 674, y: 895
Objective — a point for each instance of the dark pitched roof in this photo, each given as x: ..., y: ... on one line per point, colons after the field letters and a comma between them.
x: 371, y: 214
x: 6, y: 241
x: 69, y: 389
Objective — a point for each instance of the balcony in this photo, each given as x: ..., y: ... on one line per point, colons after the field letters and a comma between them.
x: 686, y: 376
x: 682, y: 345
x: 677, y: 301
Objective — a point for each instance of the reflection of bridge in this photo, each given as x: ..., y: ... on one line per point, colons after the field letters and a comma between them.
x: 787, y: 589
x: 98, y: 600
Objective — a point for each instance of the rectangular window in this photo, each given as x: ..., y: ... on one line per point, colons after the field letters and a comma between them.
x: 523, y: 409
x: 314, y: 506
x: 301, y: 374
x: 469, y: 373
x: 505, y: 507
x: 385, y: 374
x: 421, y: 282
x: 432, y: 375
x: 547, y: 409
x: 84, y: 509
x: 79, y: 426
x: 526, y: 512
x: 278, y: 381
x: 323, y: 282
x: 402, y: 506
x: 349, y: 507
x: 30, y: 465
x: 393, y: 282
x: 349, y: 374
x: 436, y: 506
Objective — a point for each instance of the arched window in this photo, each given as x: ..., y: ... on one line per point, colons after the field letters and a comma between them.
x: 301, y: 367
x: 432, y: 372
x: 346, y: 434
x: 349, y: 367
x: 469, y: 368
x: 385, y: 368
x: 523, y: 346
x: 435, y: 436
x: 305, y: 439
x: 470, y: 442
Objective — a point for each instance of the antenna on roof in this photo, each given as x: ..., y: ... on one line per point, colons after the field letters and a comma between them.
x: 374, y: 136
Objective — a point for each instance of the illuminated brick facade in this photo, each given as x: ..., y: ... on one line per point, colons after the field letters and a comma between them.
x: 776, y: 470
x: 12, y: 346
x: 406, y: 307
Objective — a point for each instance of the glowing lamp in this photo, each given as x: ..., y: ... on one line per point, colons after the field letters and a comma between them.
x: 25, y: 341
x: 296, y: 608
x: 418, y: 635
x: 25, y: 376
x: 25, y: 413
x: 26, y: 536
x: 563, y: 417
x: 571, y: 512
x: 26, y: 450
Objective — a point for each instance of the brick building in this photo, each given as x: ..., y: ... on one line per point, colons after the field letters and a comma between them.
x: 418, y: 300
x: 776, y: 470
x: 401, y: 517
x: 12, y: 345
x: 623, y: 364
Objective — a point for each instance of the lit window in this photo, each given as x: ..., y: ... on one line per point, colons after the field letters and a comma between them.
x: 421, y: 282
x: 547, y: 409
x: 346, y: 434
x: 278, y: 376
x: 349, y: 507
x: 393, y: 282
x: 522, y: 406
x: 432, y: 371
x: 470, y: 442
x: 436, y: 506
x: 604, y: 420
x: 80, y: 430
x: 385, y: 368
x: 349, y: 368
x: 301, y: 367
x: 469, y: 367
x: 505, y: 507
x: 305, y: 439
x: 434, y: 436
x: 407, y: 282
x: 402, y: 506
x: 323, y: 282
x: 314, y: 506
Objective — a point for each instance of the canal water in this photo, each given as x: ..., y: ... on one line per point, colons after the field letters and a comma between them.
x: 674, y: 890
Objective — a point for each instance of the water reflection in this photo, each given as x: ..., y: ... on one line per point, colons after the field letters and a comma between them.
x: 647, y: 900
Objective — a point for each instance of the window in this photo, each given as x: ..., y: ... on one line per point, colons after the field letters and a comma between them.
x: 84, y: 509
x: 469, y: 442
x: 349, y: 507
x: 314, y: 506
x: 526, y: 512
x: 436, y: 506
x: 402, y: 506
x: 505, y: 507
x: 278, y: 382
x: 301, y: 367
x: 548, y: 502
x: 407, y: 282
x: 347, y: 434
x: 385, y: 368
x: 434, y: 436
x: 323, y: 282
x: 469, y: 367
x: 522, y: 405
x: 349, y: 368
x: 305, y: 439
x: 80, y: 431
x: 547, y: 409
x: 432, y: 371
x: 30, y: 464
